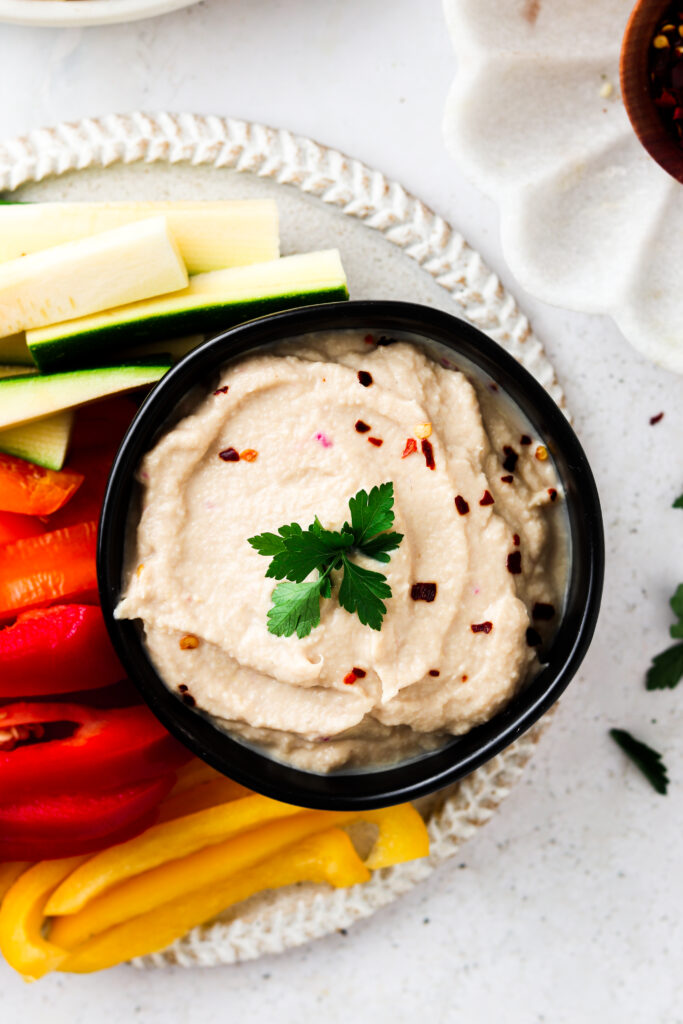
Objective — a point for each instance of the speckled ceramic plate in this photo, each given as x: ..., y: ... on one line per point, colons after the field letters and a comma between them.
x: 393, y: 247
x: 73, y: 13
x: 589, y: 221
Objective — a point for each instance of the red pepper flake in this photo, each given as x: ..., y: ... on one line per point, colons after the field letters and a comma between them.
x: 410, y: 448
x: 362, y: 427
x: 222, y: 391
x: 552, y: 493
x: 487, y: 499
x: 510, y: 460
x: 494, y: 387
x: 525, y: 439
x: 464, y: 678
x: 428, y: 452
x: 349, y: 678
x: 508, y: 479
x: 667, y: 99
x: 434, y: 672
x: 656, y: 419
x: 364, y: 378
x: 514, y: 562
x: 182, y: 688
x: 543, y: 612
x: 359, y: 673
x: 481, y: 627
x: 423, y: 592
x: 249, y: 455
x: 189, y: 700
x: 515, y: 539
x: 461, y: 505
x: 533, y: 638
x: 377, y: 441
x: 369, y: 340
x: 189, y: 642
x: 229, y: 455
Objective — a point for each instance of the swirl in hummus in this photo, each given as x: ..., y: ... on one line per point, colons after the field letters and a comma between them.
x: 291, y: 434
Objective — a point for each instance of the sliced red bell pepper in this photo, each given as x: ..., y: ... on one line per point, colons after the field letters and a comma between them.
x: 106, y: 747
x: 98, y: 432
x: 87, y: 503
x: 54, y: 849
x: 14, y: 526
x: 33, y: 490
x: 101, y: 425
x: 78, y: 816
x: 62, y: 649
x: 58, y: 565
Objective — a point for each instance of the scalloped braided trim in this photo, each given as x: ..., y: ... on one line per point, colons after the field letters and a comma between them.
x: 292, y: 160
x: 271, y: 923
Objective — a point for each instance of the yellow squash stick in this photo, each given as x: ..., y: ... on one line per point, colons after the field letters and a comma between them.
x: 402, y: 836
x: 9, y: 872
x: 22, y: 917
x: 326, y: 857
x: 160, y: 843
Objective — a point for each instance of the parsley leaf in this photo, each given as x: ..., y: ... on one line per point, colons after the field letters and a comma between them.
x: 361, y: 591
x: 296, y: 608
x: 379, y: 547
x: 676, y: 603
x: 645, y: 758
x: 273, y: 543
x: 303, y: 553
x: 666, y: 670
x: 678, y: 503
x: 371, y: 513
x: 296, y: 554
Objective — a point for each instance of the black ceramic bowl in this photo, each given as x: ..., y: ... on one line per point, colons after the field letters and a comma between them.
x: 372, y: 787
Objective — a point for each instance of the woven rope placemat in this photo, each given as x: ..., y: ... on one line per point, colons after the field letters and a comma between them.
x: 273, y: 922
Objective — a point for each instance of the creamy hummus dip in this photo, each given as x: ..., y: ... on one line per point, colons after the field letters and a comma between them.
x: 291, y: 434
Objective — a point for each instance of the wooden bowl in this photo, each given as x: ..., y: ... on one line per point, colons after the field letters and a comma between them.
x: 635, y: 87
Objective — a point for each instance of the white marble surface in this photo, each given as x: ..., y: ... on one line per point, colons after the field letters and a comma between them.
x: 567, y: 907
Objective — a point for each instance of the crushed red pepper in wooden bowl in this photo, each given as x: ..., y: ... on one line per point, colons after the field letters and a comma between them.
x: 665, y: 61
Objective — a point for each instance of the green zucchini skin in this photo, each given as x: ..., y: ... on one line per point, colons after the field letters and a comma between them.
x: 90, y: 347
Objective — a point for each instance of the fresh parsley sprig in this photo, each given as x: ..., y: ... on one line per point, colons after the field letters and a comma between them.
x: 666, y: 670
x: 296, y: 553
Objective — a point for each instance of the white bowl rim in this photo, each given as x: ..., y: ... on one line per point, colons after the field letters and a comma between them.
x: 83, y: 13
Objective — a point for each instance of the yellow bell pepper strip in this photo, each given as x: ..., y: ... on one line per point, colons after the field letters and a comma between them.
x: 167, y: 841
x: 213, y: 864
x: 325, y: 857
x: 166, y: 882
x: 208, y: 794
x: 22, y: 917
x: 402, y: 836
x: 9, y: 872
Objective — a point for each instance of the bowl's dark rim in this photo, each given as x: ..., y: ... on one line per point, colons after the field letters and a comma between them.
x: 405, y: 781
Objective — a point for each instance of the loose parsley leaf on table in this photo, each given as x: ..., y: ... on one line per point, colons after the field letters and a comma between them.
x: 666, y: 670
x: 295, y: 553
x: 645, y: 758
